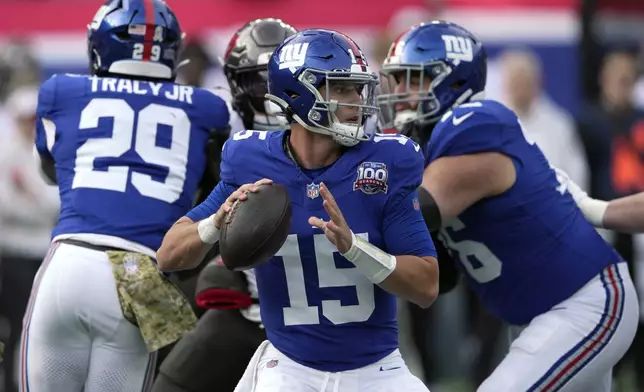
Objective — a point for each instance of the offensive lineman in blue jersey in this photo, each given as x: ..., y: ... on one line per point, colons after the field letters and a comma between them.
x: 129, y: 148
x: 526, y: 249
x: 325, y: 296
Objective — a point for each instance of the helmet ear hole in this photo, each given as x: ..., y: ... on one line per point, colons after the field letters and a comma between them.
x: 458, y: 85
x: 292, y: 94
x: 122, y: 35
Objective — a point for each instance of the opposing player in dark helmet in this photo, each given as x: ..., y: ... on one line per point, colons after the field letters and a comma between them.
x: 244, y: 65
x: 214, y: 356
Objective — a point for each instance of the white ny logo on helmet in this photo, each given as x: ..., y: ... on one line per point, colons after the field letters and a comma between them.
x: 292, y: 56
x: 458, y: 48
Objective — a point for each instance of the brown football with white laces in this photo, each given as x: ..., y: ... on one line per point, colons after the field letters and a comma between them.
x: 255, y: 229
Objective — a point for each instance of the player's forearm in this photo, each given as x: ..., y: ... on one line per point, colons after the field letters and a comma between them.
x: 411, y: 277
x: 182, y: 247
x: 414, y: 279
x: 625, y: 214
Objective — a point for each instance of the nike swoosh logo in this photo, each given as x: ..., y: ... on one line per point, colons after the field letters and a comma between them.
x: 393, y: 368
x: 458, y: 120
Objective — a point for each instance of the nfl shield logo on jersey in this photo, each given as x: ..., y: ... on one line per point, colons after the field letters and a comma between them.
x: 313, y: 190
x: 372, y: 178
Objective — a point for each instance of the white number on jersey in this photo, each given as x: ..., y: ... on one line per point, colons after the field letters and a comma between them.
x: 300, y: 312
x: 562, y: 179
x: 399, y: 138
x: 243, y: 135
x: 489, y: 267
x: 115, y: 178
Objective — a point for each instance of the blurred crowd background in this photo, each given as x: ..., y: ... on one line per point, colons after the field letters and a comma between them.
x: 571, y: 69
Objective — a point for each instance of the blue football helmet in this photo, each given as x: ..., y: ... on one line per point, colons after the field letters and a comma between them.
x: 139, y: 38
x: 314, y: 64
x: 431, y: 68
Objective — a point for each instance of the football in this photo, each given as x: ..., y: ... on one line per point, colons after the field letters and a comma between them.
x: 255, y: 229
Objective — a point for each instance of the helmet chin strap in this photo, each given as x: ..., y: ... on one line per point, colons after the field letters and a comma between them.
x: 271, y: 119
x: 267, y: 122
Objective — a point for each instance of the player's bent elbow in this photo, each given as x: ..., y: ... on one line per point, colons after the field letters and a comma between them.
x: 168, y: 258
x: 165, y: 258
x: 429, y: 296
x: 427, y: 287
x: 426, y: 299
x: 175, y: 257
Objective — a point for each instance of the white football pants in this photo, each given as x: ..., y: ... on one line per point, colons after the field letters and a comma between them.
x: 75, y: 338
x: 574, y: 346
x: 272, y: 371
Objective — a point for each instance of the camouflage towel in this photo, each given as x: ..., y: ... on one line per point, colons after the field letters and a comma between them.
x: 150, y: 301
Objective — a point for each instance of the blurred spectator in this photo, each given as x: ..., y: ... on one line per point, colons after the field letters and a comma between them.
x: 613, y: 133
x: 638, y: 91
x: 611, y: 128
x: 28, y: 210
x: 543, y: 121
x: 17, y: 67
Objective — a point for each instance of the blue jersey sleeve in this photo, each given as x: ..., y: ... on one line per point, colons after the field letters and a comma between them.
x: 45, y: 128
x: 404, y: 230
x: 219, y: 113
x: 209, y: 206
x: 467, y: 130
x: 227, y: 167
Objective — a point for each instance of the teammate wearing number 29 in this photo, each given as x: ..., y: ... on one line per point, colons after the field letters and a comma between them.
x: 129, y: 150
x: 526, y: 249
x: 357, y: 235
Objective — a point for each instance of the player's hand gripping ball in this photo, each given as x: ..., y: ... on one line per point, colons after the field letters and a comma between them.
x: 256, y: 225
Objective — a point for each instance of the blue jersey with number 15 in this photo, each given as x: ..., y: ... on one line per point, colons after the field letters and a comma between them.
x: 318, y: 309
x: 129, y: 155
x: 529, y: 248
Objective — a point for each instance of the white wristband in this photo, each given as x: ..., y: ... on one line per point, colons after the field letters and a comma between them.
x: 594, y: 210
x: 208, y: 233
x: 372, y: 261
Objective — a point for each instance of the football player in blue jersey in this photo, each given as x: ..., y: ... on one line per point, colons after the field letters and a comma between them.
x: 127, y: 148
x: 525, y: 247
x: 216, y: 353
x: 326, y: 296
